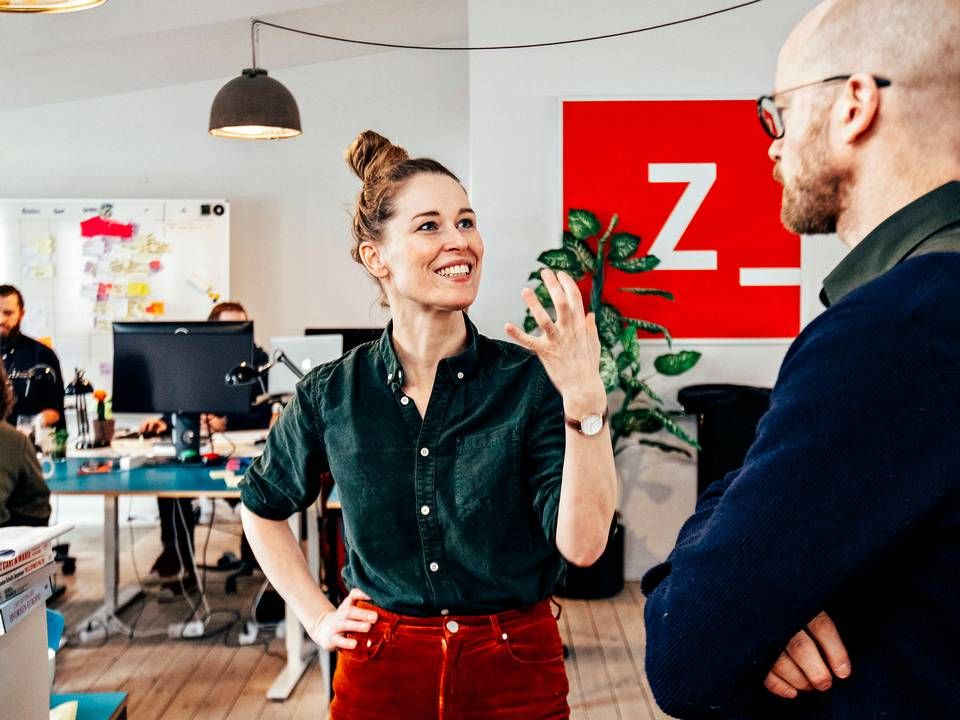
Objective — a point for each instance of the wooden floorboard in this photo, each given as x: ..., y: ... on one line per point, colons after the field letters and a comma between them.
x: 215, y: 679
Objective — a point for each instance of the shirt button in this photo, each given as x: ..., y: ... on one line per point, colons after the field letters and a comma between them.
x: 404, y: 400
x: 459, y: 376
x: 389, y: 377
x: 434, y: 567
x: 452, y: 626
x: 425, y: 510
x: 424, y: 452
x: 444, y: 612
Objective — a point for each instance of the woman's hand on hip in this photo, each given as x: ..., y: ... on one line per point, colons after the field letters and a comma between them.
x: 329, y: 630
x: 569, y: 347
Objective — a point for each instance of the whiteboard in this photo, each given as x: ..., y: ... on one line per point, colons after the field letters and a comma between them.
x: 82, y: 264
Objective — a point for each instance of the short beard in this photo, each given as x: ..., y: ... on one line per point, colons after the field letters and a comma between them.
x: 816, y: 197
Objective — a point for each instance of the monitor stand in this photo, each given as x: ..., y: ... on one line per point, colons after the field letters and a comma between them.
x: 186, y: 437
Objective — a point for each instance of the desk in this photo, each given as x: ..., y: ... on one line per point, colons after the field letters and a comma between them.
x: 179, y: 481
x: 95, y: 706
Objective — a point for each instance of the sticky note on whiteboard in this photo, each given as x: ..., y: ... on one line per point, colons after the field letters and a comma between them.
x: 138, y: 289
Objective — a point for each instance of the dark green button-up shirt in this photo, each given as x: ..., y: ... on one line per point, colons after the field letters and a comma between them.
x: 456, y: 511
x: 929, y: 224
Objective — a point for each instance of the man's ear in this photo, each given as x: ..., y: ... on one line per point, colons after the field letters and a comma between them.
x: 372, y: 260
x: 859, y: 106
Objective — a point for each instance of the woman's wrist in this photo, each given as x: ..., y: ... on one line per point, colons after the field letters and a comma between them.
x: 585, y: 401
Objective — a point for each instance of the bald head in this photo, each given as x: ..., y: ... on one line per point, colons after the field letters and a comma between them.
x: 909, y: 41
x: 854, y: 152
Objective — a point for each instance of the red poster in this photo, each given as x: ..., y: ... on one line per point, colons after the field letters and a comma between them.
x: 693, y: 180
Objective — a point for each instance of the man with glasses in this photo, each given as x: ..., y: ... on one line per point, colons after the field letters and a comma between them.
x: 822, y: 579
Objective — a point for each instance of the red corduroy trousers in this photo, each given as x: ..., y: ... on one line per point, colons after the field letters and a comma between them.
x: 507, y: 666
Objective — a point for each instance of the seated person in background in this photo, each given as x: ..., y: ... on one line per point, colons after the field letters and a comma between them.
x: 20, y: 354
x: 177, y: 523
x: 24, y: 496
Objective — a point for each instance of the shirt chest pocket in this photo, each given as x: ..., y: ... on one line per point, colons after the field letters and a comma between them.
x: 486, y: 470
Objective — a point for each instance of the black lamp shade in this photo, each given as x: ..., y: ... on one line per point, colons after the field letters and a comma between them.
x: 254, y: 107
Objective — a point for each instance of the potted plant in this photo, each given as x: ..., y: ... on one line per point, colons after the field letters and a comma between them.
x: 102, y: 426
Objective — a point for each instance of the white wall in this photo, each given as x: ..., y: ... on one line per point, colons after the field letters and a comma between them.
x: 515, y: 166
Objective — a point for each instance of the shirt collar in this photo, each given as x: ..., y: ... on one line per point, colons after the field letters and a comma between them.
x: 895, y: 239
x: 459, y: 366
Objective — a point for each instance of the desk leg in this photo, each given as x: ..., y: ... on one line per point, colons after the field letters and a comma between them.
x: 114, y: 598
x: 111, y: 553
x: 299, y: 650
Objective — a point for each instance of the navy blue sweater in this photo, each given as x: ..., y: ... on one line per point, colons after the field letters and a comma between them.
x: 849, y: 502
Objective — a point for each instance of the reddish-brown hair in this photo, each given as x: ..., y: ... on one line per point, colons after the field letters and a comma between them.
x: 384, y: 168
x: 220, y: 308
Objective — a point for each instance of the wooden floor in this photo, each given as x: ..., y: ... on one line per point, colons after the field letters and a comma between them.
x: 215, y: 678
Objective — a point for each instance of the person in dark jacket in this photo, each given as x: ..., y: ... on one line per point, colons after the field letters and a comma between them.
x: 33, y: 368
x: 821, y: 579
x: 24, y: 496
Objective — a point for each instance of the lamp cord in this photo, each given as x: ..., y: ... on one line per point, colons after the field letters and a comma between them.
x: 254, y: 23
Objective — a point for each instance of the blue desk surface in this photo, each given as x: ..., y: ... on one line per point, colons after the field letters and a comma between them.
x: 160, y: 481
x: 95, y: 706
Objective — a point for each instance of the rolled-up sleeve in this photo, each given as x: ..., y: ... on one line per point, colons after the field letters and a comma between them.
x: 286, y: 477
x: 543, y: 455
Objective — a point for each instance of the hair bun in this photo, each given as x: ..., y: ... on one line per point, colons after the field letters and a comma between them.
x: 371, y: 155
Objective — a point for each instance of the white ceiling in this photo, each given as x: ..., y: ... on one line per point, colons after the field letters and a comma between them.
x: 129, y: 45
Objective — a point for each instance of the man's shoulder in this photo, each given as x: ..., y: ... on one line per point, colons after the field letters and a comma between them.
x: 12, y: 441
x: 42, y: 349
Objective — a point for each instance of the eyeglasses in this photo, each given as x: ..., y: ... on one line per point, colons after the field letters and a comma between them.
x: 772, y: 119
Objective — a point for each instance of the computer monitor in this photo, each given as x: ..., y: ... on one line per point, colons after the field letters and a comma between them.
x: 352, y: 337
x: 304, y: 352
x: 179, y: 367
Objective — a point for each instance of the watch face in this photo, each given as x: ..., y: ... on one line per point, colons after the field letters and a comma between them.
x: 591, y: 424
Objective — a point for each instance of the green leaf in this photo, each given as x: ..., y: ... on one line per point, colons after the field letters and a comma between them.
x: 633, y: 421
x: 673, y: 428
x: 583, y: 224
x: 543, y: 295
x: 609, y: 324
x: 637, y: 265
x: 647, y: 291
x: 623, y: 245
x: 665, y: 447
x: 529, y: 324
x: 608, y: 370
x: 535, y: 275
x: 652, y: 328
x: 676, y: 364
x: 628, y: 339
x: 624, y: 360
x: 561, y: 259
x: 634, y: 387
x: 582, y: 251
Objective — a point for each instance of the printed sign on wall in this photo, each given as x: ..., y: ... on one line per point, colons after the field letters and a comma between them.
x: 692, y: 178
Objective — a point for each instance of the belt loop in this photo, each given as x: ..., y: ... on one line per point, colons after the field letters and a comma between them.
x: 559, y: 608
x: 392, y: 628
x: 497, y: 630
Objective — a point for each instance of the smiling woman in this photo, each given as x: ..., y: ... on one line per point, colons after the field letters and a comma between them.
x: 461, y: 489
x: 406, y: 207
